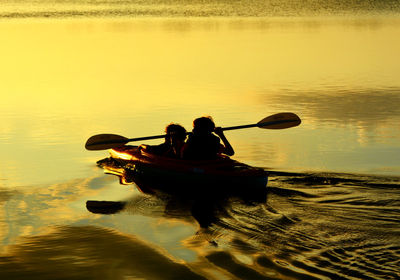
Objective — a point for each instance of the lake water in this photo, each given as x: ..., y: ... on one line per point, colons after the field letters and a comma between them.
x: 72, y: 69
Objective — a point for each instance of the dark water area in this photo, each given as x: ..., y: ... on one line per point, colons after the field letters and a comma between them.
x: 311, y: 226
x: 308, y: 226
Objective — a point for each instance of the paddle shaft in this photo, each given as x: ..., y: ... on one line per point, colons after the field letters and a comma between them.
x: 146, y: 138
x: 164, y: 135
x: 223, y: 128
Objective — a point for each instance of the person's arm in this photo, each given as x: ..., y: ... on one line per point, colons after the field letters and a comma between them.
x: 150, y: 148
x: 186, y: 147
x: 143, y: 147
x: 227, y: 148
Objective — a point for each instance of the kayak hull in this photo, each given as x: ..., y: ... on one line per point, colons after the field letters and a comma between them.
x: 222, y: 175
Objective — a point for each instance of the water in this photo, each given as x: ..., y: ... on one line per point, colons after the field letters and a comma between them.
x: 190, y: 8
x: 72, y: 69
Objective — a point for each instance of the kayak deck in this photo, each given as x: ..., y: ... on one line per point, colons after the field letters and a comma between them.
x: 191, y: 176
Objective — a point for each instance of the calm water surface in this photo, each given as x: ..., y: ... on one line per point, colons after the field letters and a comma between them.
x: 72, y: 69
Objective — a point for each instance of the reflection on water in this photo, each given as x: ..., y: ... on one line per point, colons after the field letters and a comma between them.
x: 204, y: 202
x: 190, y: 8
x: 312, y: 226
x: 88, y: 252
x: 368, y: 109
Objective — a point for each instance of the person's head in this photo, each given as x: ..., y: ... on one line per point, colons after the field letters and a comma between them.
x: 203, y: 125
x: 175, y: 133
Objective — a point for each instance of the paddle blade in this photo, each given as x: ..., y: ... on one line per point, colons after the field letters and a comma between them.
x: 105, y: 141
x: 280, y: 121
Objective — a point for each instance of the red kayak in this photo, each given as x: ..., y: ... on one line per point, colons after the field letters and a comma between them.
x: 222, y: 173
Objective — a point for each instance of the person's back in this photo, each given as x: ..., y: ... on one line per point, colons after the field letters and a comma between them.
x: 202, y: 144
x: 201, y: 147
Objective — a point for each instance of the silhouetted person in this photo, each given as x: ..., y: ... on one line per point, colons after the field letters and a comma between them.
x: 203, y: 144
x: 173, y: 144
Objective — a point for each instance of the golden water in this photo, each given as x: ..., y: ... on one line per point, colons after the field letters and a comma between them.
x: 70, y: 76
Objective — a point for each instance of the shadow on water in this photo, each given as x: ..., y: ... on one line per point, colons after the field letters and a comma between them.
x: 204, y: 203
x: 313, y: 225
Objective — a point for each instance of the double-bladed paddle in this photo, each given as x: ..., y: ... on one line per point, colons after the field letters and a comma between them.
x: 109, y: 141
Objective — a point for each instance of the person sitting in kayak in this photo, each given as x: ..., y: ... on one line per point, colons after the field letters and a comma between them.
x: 173, y: 144
x: 203, y: 144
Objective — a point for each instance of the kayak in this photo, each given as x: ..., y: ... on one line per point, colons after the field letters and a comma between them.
x: 191, y: 176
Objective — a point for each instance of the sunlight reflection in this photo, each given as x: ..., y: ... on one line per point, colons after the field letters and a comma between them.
x: 32, y: 210
x: 91, y: 251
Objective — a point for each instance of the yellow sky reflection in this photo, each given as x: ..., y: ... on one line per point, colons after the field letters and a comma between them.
x: 34, y: 210
x: 81, y: 65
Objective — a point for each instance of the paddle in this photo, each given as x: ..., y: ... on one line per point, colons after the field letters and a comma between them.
x: 109, y: 141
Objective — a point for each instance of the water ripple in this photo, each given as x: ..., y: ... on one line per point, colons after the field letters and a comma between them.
x: 189, y: 8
